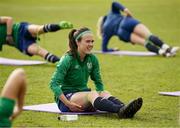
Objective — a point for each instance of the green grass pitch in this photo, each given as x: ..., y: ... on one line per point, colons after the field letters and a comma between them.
x: 125, y: 77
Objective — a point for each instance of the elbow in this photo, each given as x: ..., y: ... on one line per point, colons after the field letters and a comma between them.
x: 114, y: 4
x: 115, y: 7
x: 51, y: 85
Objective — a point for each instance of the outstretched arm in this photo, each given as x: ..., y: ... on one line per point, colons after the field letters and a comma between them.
x: 9, y: 22
x: 105, y: 42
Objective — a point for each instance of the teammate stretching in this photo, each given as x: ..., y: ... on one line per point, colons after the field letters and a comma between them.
x: 131, y: 30
x: 24, y: 36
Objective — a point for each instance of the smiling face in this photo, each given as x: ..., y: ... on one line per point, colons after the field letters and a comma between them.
x: 85, y: 45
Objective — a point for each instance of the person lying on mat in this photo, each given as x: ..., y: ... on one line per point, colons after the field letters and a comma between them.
x: 69, y: 81
x: 12, y: 97
x: 128, y: 29
x: 24, y: 36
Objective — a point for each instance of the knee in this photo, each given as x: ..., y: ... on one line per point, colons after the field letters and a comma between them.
x: 34, y: 49
x: 20, y: 71
x: 93, y: 93
x: 20, y: 75
x: 92, y: 96
x: 105, y: 94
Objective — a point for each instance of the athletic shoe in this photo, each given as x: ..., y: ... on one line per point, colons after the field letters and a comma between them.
x: 130, y: 110
x: 162, y: 52
x: 173, y: 50
x: 65, y: 25
x: 170, y: 52
x: 167, y: 54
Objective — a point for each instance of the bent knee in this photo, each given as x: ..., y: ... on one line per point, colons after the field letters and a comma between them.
x: 92, y: 96
x: 34, y: 49
x: 105, y: 94
x: 93, y: 93
x: 20, y: 71
x: 19, y: 75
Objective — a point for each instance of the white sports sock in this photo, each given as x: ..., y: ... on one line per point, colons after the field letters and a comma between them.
x: 165, y: 47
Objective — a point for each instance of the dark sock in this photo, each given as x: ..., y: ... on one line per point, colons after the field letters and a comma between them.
x: 106, y: 105
x: 155, y: 40
x: 152, y: 48
x: 51, y: 58
x: 116, y: 101
x: 51, y: 27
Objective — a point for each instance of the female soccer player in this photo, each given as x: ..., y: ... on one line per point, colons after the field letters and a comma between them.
x: 131, y: 30
x: 24, y: 36
x: 69, y: 81
x: 12, y: 97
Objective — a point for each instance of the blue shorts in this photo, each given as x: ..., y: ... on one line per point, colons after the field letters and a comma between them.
x: 126, y: 27
x: 62, y: 107
x: 25, y: 38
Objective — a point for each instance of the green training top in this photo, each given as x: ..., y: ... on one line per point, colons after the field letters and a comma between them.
x: 72, y: 74
x: 3, y: 33
x: 6, y: 110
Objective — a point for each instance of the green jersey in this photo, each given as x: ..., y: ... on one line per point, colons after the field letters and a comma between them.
x: 6, y: 110
x: 72, y: 74
x: 3, y: 33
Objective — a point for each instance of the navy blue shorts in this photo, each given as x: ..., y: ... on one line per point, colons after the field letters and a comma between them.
x: 126, y: 27
x: 62, y: 107
x: 25, y: 38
